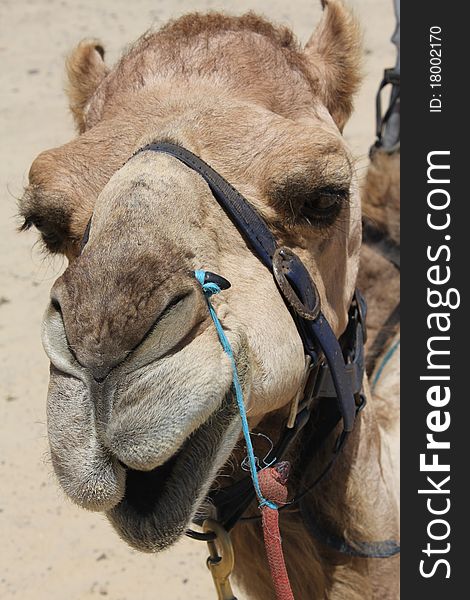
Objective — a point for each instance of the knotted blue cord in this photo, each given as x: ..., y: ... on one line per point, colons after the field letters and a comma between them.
x: 209, y: 290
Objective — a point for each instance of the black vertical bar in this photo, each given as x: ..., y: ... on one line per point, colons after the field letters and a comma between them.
x: 423, y: 132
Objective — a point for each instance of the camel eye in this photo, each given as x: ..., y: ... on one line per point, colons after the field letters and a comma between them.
x: 49, y: 215
x: 300, y: 201
x: 51, y: 236
x: 328, y: 198
x: 323, y: 206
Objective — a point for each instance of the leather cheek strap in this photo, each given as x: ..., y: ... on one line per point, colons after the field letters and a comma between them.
x: 315, y: 332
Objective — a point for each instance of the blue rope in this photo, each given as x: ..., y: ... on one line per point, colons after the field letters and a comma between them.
x: 386, y: 358
x: 209, y: 290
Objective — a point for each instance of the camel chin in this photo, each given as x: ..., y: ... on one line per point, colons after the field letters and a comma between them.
x: 136, y: 446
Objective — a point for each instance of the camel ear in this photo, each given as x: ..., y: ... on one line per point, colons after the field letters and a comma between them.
x: 85, y: 71
x: 335, y: 52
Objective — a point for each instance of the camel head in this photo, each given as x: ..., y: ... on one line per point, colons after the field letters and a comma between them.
x: 141, y: 415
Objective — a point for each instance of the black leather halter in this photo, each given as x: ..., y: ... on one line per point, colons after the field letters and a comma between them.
x: 334, y: 368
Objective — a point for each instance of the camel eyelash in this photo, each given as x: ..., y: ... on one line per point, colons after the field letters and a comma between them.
x: 51, y: 238
x: 323, y: 206
x: 300, y: 201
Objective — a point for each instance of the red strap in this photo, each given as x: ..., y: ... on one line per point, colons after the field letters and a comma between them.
x: 273, y: 484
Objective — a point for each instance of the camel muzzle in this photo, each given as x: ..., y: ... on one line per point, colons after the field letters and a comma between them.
x: 105, y: 327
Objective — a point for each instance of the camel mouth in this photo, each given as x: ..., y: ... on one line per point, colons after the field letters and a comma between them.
x: 143, y: 488
x: 138, y: 447
x: 159, y: 504
x: 150, y: 508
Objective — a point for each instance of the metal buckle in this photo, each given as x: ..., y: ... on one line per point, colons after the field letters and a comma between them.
x: 286, y: 262
x: 220, y: 565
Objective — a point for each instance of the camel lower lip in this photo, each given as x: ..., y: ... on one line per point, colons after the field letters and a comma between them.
x: 158, y: 505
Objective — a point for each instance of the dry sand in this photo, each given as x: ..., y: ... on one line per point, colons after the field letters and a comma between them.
x: 50, y: 549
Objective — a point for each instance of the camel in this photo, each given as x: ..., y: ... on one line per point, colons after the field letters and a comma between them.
x: 140, y: 412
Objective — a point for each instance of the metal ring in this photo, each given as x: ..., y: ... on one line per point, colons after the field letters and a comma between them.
x: 222, y: 558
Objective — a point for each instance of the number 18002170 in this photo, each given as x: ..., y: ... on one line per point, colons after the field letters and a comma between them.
x: 435, y: 59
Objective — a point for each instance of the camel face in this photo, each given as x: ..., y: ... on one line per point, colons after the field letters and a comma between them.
x: 140, y: 409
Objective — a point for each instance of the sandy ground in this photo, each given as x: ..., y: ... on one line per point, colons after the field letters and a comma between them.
x: 50, y: 549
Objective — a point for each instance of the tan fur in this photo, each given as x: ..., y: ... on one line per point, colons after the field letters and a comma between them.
x: 381, y: 197
x: 335, y: 50
x: 378, y: 279
x: 85, y: 71
x: 138, y: 375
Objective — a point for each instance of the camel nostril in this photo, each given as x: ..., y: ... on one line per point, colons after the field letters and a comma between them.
x: 93, y: 360
x: 56, y: 305
x: 99, y: 375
